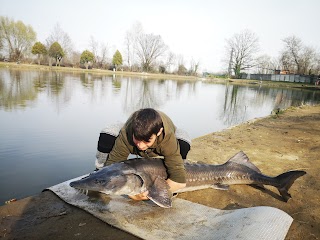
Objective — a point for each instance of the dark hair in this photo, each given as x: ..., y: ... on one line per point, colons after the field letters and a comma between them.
x: 145, y: 123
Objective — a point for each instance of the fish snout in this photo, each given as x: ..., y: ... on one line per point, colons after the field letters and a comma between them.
x: 73, y: 184
x: 77, y: 184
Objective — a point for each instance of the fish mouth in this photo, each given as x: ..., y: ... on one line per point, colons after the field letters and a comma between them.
x: 82, y: 191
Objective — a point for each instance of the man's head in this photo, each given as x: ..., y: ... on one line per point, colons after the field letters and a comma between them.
x: 146, y: 125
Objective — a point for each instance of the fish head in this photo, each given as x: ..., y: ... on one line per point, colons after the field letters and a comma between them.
x: 115, y: 179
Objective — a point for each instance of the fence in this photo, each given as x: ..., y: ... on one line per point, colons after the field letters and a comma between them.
x: 282, y: 78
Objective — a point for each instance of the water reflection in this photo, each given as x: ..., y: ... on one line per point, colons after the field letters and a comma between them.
x: 116, y: 83
x: 19, y: 92
x: 234, y: 109
x: 136, y: 93
x: 238, y: 100
x: 19, y: 89
x: 39, y: 83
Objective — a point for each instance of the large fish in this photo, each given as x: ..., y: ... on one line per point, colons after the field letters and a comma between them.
x: 134, y: 176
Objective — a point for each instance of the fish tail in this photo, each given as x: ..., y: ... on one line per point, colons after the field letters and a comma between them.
x: 286, y: 180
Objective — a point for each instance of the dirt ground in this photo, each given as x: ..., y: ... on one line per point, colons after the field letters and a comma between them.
x: 278, y: 143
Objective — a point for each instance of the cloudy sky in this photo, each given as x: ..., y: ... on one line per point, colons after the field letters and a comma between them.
x: 196, y: 29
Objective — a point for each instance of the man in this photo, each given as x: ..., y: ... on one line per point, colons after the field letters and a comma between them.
x: 147, y: 133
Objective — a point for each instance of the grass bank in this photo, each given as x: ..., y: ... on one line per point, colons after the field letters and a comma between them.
x: 95, y: 71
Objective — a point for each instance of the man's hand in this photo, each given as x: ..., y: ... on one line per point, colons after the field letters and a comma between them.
x: 140, y: 196
x: 174, y: 186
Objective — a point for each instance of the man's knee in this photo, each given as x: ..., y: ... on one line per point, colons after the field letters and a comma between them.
x: 105, y: 145
x: 184, y: 142
x: 184, y: 148
x: 105, y: 142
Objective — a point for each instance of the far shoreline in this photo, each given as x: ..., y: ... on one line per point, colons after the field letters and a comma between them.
x: 145, y: 75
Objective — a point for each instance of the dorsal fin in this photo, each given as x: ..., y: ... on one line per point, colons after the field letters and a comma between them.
x: 242, y: 158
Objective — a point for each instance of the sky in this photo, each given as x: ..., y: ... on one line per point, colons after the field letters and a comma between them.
x: 196, y: 29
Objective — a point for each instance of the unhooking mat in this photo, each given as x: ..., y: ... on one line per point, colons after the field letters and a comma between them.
x: 185, y: 220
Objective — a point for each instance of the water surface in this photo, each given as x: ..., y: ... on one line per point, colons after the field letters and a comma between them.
x: 50, y: 121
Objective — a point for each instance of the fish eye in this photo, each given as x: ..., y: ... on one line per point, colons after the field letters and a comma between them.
x: 99, y: 181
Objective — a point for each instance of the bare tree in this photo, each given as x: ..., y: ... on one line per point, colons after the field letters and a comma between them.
x: 2, y: 39
x: 265, y: 65
x: 317, y: 65
x: 133, y: 34
x: 148, y: 48
x: 296, y: 57
x: 103, y: 54
x: 181, y: 69
x: 275, y: 63
x: 128, y: 42
x: 286, y: 62
x: 308, y: 60
x: 180, y: 60
x: 170, y: 59
x: 74, y: 58
x: 290, y: 57
x: 100, y: 51
x: 93, y: 48
x: 194, y: 66
x: 58, y: 35
x: 241, y: 49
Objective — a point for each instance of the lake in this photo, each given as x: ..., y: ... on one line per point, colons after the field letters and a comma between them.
x: 50, y: 121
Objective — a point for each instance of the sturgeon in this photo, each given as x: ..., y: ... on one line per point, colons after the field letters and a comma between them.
x: 138, y: 175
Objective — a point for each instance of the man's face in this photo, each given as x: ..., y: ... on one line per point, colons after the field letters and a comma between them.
x: 142, y: 145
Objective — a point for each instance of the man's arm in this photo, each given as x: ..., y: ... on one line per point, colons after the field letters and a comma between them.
x: 120, y: 150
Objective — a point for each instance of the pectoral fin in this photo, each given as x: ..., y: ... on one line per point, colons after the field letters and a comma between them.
x: 159, y: 193
x: 220, y: 186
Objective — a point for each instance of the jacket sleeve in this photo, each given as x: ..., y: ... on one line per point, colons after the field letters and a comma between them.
x: 120, y: 150
x: 172, y: 159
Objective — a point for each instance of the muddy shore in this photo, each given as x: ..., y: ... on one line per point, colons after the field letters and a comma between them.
x: 275, y: 144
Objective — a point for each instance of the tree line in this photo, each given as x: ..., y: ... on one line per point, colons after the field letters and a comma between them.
x: 148, y: 52
x: 143, y: 51
x: 294, y: 58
